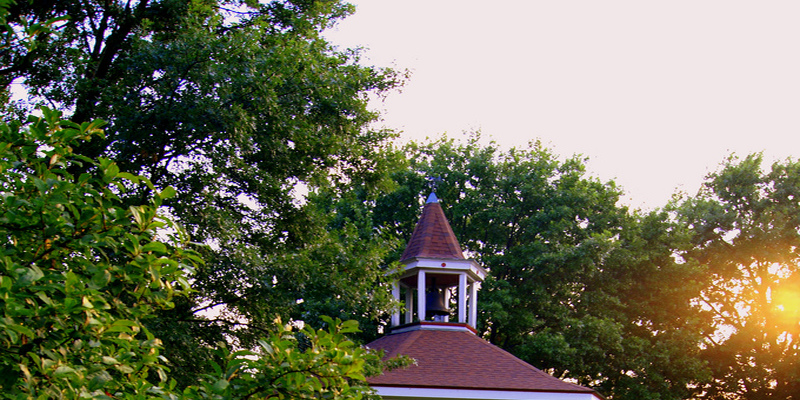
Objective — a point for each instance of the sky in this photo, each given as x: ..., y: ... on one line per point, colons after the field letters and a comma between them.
x: 655, y: 93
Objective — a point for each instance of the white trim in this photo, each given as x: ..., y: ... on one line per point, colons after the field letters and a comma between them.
x: 439, y: 271
x: 462, y: 298
x: 421, y: 304
x: 475, y: 271
x: 398, y: 393
x: 433, y: 327
x: 447, y: 303
x: 409, y: 306
x: 396, y: 295
x: 473, y: 303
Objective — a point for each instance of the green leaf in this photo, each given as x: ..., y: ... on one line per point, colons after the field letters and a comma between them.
x: 30, y: 275
x: 157, y: 247
x: 168, y: 193
x: 349, y: 326
x: 128, y: 176
x: 138, y: 216
x: 110, y: 360
x: 63, y: 371
x: 220, y: 385
x: 86, y: 303
x: 124, y: 368
x: 22, y: 330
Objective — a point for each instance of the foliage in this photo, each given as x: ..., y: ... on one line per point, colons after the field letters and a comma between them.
x: 330, y: 366
x: 241, y: 107
x: 80, y: 270
x: 650, y: 290
x: 746, y: 232
x: 20, y: 40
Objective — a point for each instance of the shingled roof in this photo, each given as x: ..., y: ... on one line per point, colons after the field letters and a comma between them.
x: 460, y: 360
x: 433, y: 237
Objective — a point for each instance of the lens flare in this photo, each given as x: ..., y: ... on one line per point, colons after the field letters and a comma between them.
x: 787, y: 303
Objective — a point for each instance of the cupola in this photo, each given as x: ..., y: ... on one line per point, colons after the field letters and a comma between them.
x: 451, y: 361
x: 438, y: 285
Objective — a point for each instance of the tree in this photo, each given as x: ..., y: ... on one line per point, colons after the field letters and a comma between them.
x: 80, y: 269
x: 649, y: 289
x: 746, y: 233
x: 577, y: 285
x: 239, y: 106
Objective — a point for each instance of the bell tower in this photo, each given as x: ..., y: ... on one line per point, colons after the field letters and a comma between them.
x: 440, y: 290
x: 438, y: 285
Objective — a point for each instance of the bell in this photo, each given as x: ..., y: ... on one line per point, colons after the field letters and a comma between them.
x: 434, y: 303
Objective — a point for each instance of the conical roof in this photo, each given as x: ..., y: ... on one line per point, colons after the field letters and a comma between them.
x: 447, y: 359
x: 433, y: 237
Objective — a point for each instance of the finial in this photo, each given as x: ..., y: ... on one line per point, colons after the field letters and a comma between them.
x: 433, y: 183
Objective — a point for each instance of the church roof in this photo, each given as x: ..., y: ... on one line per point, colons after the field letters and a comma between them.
x: 433, y: 237
x: 461, y: 360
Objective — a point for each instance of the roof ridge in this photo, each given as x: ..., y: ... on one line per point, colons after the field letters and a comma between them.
x: 525, y: 364
x: 406, y: 344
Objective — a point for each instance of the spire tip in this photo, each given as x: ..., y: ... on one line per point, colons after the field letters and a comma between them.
x: 432, y: 198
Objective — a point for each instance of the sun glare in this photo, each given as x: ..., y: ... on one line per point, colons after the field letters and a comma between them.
x: 788, y: 302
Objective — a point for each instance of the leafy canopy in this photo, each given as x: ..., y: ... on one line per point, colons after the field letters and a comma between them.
x: 82, y: 271
x: 746, y: 232
x: 240, y: 106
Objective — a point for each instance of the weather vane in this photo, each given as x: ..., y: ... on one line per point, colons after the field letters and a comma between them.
x: 433, y: 182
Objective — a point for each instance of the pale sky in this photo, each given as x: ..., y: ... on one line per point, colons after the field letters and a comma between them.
x: 655, y: 93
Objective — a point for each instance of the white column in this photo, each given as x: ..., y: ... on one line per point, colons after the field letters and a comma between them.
x: 462, y: 298
x: 446, y: 303
x: 421, y: 295
x: 409, y: 305
x: 396, y: 295
x: 473, y: 304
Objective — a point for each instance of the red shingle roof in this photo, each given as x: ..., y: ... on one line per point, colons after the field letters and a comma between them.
x: 433, y: 237
x: 461, y: 360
